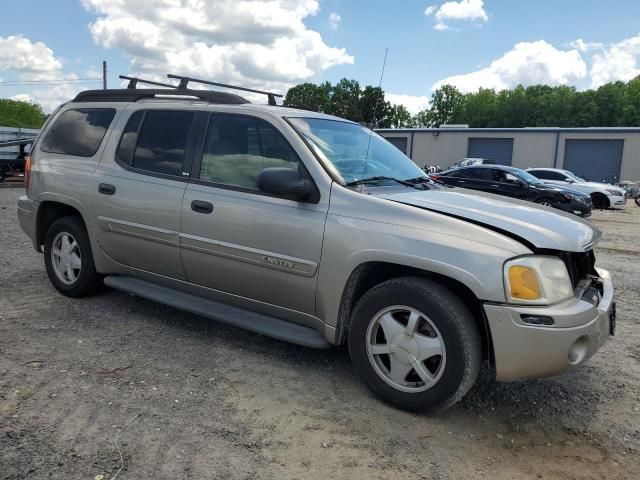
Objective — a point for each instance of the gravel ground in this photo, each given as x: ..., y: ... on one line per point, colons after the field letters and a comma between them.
x: 210, y: 401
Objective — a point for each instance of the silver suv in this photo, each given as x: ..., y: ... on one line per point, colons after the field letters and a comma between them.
x: 314, y: 230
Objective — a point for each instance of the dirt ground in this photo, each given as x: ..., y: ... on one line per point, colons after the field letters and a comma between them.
x: 216, y: 402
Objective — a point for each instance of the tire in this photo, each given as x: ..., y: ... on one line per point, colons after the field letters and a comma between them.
x: 442, y: 316
x: 84, y: 279
x: 637, y: 200
x: 546, y: 202
x: 600, y: 201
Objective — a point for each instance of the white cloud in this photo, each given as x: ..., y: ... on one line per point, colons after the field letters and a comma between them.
x: 528, y: 63
x: 583, y: 46
x: 462, y: 10
x: 28, y: 60
x: 51, y: 97
x: 618, y: 61
x: 257, y: 44
x: 414, y: 104
x: 334, y: 21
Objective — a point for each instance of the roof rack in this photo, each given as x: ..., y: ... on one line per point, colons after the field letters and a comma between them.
x: 184, y: 81
x: 134, y: 81
x: 134, y: 95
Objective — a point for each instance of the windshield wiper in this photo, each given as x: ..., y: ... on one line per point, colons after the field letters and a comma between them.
x: 363, y: 181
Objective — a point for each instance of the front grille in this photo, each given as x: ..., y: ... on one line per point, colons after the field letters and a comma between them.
x: 580, y: 265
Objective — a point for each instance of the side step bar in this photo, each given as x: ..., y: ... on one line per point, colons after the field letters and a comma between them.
x: 236, y: 316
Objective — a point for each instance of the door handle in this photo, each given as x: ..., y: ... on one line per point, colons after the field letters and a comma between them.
x: 106, y: 189
x: 200, y: 206
x: 461, y: 181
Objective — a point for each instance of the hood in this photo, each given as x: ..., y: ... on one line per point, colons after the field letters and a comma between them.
x: 541, y: 227
x: 600, y: 185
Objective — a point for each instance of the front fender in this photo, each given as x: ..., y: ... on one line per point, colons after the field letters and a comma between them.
x: 471, y: 260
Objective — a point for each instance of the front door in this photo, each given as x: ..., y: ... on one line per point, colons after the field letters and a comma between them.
x: 237, y: 240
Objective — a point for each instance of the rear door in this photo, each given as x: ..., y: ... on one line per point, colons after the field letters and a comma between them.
x: 236, y: 239
x: 139, y: 186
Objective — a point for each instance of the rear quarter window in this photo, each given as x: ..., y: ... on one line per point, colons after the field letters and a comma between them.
x: 78, y: 132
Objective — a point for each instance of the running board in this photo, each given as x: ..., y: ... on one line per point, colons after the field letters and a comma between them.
x: 235, y: 316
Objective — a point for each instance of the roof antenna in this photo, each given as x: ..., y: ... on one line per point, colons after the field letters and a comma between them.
x: 375, y: 112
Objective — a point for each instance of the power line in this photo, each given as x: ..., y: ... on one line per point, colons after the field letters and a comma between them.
x: 52, y: 81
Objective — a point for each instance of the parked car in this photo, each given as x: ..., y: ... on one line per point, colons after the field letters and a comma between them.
x: 517, y: 183
x: 467, y: 162
x: 315, y: 230
x: 603, y: 195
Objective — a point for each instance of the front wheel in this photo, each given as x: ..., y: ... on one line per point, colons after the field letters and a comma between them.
x: 415, y: 344
x: 637, y: 199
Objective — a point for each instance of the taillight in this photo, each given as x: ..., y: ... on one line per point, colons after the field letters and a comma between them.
x: 434, y: 177
x: 27, y: 171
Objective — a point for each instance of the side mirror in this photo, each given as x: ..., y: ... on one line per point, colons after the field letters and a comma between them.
x: 284, y: 182
x: 568, y: 180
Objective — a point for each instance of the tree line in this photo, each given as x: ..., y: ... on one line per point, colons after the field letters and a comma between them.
x: 14, y: 113
x: 615, y: 104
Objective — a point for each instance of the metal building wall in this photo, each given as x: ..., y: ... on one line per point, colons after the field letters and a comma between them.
x: 531, y: 147
x: 630, y: 168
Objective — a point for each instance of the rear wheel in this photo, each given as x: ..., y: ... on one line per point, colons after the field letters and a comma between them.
x: 600, y: 201
x: 415, y: 344
x: 637, y: 199
x: 68, y: 258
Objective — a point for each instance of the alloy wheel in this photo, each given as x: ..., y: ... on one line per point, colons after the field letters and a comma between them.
x: 65, y: 258
x: 406, y: 349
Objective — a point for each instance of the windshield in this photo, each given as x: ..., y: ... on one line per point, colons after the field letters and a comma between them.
x: 573, y: 176
x: 355, y: 153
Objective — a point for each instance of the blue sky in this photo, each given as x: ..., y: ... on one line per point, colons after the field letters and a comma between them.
x: 471, y: 43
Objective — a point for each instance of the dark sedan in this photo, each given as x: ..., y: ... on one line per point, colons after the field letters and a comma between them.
x: 516, y: 183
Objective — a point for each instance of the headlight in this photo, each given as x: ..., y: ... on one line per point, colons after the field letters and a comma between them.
x: 537, y: 280
x: 615, y: 193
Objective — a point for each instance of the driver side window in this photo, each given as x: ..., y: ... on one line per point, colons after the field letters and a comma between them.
x: 237, y: 148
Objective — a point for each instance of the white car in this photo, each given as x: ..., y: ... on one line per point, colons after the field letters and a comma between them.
x: 603, y: 195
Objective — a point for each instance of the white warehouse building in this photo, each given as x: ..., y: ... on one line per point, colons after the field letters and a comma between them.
x: 594, y: 153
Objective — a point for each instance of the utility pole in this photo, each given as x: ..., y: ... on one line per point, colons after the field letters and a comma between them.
x: 104, y: 74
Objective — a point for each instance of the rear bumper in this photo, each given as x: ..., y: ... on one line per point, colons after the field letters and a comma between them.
x: 28, y: 218
x: 527, y: 351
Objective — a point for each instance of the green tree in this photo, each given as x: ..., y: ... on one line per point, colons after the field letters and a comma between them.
x: 309, y: 96
x: 446, y: 105
x: 399, y: 117
x: 345, y: 100
x: 373, y: 107
x: 14, y: 113
x: 479, y: 109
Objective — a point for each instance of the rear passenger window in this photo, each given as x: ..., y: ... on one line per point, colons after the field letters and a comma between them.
x: 238, y: 148
x: 162, y: 141
x: 78, y: 132
x: 129, y: 136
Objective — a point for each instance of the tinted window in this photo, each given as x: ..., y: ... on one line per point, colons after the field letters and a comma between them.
x: 547, y: 175
x: 238, y: 148
x: 477, y: 173
x: 162, y: 141
x: 78, y: 132
x: 129, y: 136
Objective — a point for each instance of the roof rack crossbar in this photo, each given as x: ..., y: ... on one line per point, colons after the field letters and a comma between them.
x: 184, y: 81
x: 133, y: 82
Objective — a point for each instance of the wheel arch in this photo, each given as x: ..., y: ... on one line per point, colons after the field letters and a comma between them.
x: 369, y: 274
x: 595, y: 196
x: 48, y: 212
